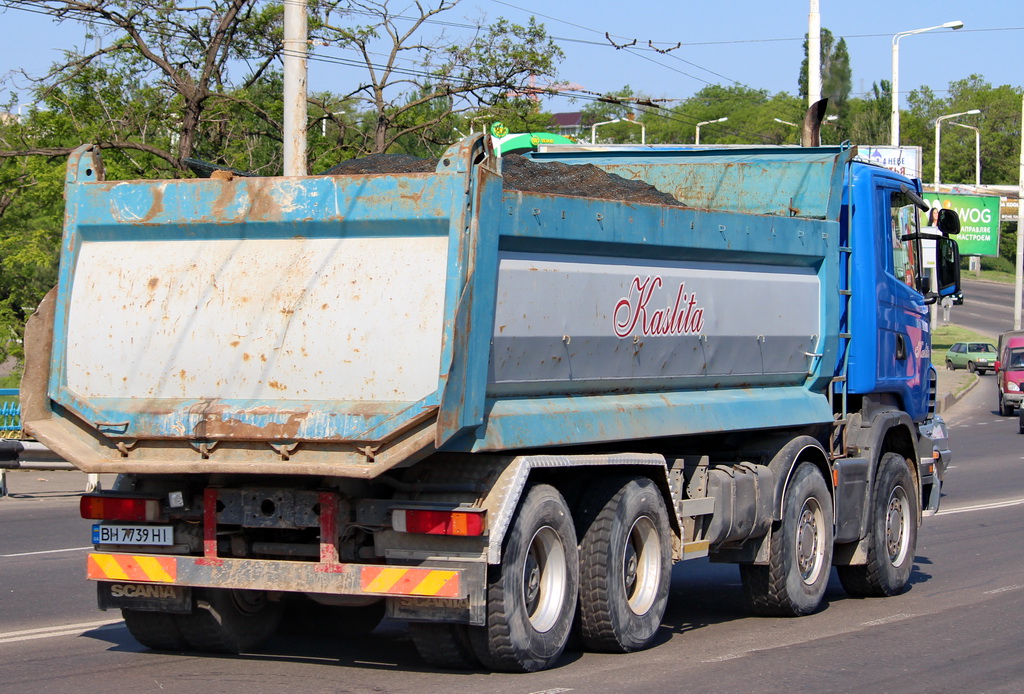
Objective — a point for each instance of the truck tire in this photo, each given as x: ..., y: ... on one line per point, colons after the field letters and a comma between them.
x: 444, y: 645
x: 531, y: 595
x: 156, y: 630
x: 625, y: 564
x: 1004, y: 409
x: 230, y: 621
x: 892, y: 534
x: 793, y: 582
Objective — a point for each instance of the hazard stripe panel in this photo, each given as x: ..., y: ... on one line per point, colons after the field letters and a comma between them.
x: 391, y: 580
x: 125, y: 567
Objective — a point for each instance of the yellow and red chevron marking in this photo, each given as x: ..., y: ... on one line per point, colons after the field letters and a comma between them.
x: 125, y: 567
x: 435, y: 583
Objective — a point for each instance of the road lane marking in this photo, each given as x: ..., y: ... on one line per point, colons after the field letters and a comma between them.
x: 887, y: 620
x: 51, y: 632
x: 46, y: 551
x: 980, y: 507
x: 1005, y: 589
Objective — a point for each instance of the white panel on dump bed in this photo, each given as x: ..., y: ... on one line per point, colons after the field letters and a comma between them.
x: 279, y: 319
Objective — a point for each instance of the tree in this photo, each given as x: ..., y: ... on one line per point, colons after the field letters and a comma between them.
x: 836, y: 73
x: 192, y: 49
x: 451, y: 76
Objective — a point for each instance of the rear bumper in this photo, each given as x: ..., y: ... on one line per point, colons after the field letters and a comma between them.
x: 286, y: 576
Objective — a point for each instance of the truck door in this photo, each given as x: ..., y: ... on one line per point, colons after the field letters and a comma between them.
x: 904, y: 349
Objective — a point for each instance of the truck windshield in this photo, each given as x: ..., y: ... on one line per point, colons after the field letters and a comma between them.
x: 905, y: 254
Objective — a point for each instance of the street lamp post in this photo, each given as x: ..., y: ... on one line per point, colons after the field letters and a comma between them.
x: 643, y: 129
x: 696, y: 140
x: 938, y: 136
x: 895, y: 116
x: 977, y: 151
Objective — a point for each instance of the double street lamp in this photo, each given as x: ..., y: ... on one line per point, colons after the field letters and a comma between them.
x: 696, y: 140
x: 938, y: 137
x: 895, y: 116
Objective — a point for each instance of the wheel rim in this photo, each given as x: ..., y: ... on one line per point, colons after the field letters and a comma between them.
x: 897, y: 526
x: 810, y: 549
x: 641, y: 565
x: 545, y: 579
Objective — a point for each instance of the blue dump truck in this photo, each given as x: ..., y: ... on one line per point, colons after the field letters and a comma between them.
x: 496, y: 414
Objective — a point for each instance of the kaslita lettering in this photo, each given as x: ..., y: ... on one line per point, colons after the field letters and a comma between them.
x: 635, y: 312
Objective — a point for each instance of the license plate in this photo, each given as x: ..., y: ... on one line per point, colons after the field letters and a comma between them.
x: 132, y: 535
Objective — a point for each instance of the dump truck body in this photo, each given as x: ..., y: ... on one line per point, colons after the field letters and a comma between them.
x: 418, y: 386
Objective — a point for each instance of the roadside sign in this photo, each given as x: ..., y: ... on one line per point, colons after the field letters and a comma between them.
x: 902, y: 160
x: 979, y: 221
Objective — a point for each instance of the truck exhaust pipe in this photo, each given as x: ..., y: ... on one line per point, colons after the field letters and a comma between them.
x: 811, y: 134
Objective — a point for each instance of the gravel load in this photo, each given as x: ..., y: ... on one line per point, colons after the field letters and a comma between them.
x: 520, y: 173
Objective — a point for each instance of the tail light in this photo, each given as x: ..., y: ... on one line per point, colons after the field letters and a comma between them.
x: 462, y: 522
x: 119, y: 508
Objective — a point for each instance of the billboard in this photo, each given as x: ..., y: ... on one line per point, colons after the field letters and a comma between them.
x: 902, y: 160
x: 979, y: 220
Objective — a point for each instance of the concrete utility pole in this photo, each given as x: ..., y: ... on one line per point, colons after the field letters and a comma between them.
x: 296, y: 37
x: 1019, y: 284
x: 813, y: 55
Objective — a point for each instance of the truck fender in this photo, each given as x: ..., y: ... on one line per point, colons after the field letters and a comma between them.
x: 502, y: 498
x: 799, y: 450
x: 885, y: 431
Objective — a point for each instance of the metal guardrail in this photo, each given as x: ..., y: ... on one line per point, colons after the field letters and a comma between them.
x: 18, y: 453
x: 10, y: 415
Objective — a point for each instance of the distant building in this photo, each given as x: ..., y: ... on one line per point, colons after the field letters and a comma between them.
x: 568, y: 124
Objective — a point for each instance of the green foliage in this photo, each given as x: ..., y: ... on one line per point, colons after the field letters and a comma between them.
x: 836, y: 73
x: 751, y: 114
x: 999, y: 122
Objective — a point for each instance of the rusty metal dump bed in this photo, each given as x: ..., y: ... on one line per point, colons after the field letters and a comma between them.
x: 341, y: 325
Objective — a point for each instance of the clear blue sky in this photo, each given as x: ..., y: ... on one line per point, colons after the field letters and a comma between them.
x: 757, y: 43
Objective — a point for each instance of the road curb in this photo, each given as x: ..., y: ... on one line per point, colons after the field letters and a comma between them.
x: 946, y: 400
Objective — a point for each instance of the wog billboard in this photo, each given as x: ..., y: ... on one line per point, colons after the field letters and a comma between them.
x: 979, y: 221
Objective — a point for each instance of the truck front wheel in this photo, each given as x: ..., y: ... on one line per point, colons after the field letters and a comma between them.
x: 531, y: 595
x: 800, y: 557
x: 625, y: 564
x: 892, y: 534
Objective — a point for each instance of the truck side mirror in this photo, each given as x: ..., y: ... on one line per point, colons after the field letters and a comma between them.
x: 947, y: 262
x: 948, y: 222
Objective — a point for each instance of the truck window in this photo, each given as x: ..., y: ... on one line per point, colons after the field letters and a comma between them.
x: 905, y: 254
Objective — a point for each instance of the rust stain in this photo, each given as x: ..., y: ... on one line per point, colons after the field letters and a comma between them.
x: 245, y: 356
x: 235, y: 343
x: 156, y: 207
x: 153, y: 282
x: 276, y: 385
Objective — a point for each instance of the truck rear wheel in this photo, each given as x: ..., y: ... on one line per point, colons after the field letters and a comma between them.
x: 531, y: 596
x: 625, y: 564
x: 444, y: 645
x: 156, y: 630
x: 230, y: 621
x: 892, y: 534
x: 793, y: 582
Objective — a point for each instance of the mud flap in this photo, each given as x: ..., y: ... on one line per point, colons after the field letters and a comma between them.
x: 144, y: 597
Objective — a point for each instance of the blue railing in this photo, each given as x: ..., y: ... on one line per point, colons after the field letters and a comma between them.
x: 10, y: 414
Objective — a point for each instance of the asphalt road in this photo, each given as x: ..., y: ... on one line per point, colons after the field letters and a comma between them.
x: 987, y: 307
x: 957, y: 629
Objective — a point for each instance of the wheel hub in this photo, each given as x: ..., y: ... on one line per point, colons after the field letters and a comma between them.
x: 808, y: 543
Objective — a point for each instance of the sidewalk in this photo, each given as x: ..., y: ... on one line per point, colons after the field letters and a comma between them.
x: 953, y: 385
